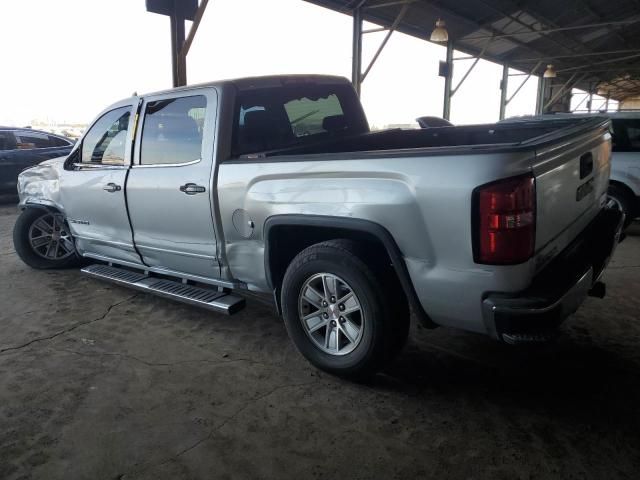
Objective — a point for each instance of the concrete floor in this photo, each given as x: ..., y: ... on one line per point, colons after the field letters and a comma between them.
x: 98, y: 382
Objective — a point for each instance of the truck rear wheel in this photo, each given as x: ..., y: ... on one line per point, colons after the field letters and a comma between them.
x: 338, y: 312
x: 42, y: 240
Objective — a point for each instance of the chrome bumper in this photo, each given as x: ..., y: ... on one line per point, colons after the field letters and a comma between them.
x: 560, y: 289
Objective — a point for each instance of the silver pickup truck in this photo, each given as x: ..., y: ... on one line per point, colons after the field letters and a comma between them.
x: 276, y: 185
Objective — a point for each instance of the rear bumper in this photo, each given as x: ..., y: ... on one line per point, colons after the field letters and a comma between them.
x: 560, y: 288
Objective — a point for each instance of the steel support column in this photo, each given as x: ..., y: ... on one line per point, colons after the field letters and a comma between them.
x: 503, y: 91
x: 356, y: 59
x: 390, y: 31
x: 178, y: 62
x: 540, y: 95
x: 563, y: 90
x: 446, y: 110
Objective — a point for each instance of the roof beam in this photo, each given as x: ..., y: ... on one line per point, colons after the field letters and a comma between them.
x: 447, y: 10
x: 613, y: 60
x: 392, y: 29
x: 194, y: 28
x: 470, y: 69
x: 537, y: 17
x: 590, y: 54
x: 552, y: 30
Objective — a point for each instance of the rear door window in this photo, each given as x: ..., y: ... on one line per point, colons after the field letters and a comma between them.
x: 7, y: 141
x: 172, y: 132
x: 58, y: 142
x: 31, y: 140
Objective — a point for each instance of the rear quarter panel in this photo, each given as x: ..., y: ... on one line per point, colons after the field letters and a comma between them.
x: 423, y: 201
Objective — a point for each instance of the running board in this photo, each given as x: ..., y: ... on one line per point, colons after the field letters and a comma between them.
x: 213, y: 300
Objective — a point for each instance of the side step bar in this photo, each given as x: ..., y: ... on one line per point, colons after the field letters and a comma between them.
x: 214, y: 300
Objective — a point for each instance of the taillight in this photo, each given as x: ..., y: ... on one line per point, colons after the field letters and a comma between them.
x: 504, y: 221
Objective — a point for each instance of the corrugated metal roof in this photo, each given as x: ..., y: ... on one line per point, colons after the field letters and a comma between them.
x: 582, y: 50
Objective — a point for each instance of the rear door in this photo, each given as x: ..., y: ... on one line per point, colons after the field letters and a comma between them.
x: 92, y: 190
x: 169, y: 189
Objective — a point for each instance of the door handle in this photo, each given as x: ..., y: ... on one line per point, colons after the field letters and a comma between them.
x: 192, y: 189
x: 112, y: 187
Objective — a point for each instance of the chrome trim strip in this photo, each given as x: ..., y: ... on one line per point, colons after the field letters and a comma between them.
x: 157, y: 165
x: 124, y: 263
x: 98, y: 166
x: 197, y: 278
x: 175, y: 252
x: 99, y: 240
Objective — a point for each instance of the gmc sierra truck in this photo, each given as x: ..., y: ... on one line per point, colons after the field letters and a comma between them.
x: 276, y: 185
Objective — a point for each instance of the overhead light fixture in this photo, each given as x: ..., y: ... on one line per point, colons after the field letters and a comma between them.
x: 603, y: 92
x: 550, y: 72
x: 440, y: 33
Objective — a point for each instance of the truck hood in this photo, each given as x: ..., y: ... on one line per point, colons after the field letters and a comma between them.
x: 40, y: 184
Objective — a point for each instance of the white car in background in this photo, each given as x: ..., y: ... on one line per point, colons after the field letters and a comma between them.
x: 624, y: 184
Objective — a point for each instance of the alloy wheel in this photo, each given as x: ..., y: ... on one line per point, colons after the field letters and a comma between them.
x: 49, y: 237
x: 331, y: 314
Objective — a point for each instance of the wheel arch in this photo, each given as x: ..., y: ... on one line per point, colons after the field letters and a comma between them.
x: 50, y: 207
x: 287, y: 235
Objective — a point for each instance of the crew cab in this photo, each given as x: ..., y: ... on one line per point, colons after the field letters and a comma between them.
x: 277, y: 186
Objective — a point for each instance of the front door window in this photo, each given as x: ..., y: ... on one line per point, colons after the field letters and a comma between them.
x: 105, y: 142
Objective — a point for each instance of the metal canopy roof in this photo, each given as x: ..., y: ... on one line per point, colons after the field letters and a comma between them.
x: 594, y: 43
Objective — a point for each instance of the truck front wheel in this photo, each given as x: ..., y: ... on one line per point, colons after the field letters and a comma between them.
x: 42, y: 240
x: 340, y: 315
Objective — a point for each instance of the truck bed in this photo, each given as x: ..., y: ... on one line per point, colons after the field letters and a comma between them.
x: 490, y: 137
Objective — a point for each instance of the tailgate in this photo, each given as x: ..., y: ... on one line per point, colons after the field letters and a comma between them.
x: 572, y: 176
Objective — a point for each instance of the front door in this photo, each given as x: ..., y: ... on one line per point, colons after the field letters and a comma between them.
x: 92, y: 190
x: 169, y: 189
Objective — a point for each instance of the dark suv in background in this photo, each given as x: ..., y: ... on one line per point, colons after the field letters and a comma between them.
x: 23, y: 147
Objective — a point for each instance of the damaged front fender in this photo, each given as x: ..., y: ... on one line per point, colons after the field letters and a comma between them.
x: 40, y: 185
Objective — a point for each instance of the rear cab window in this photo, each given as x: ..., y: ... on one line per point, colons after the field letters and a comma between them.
x: 279, y: 117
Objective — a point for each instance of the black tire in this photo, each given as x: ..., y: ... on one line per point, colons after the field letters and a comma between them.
x: 385, y: 312
x: 27, y: 253
x: 624, y: 201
